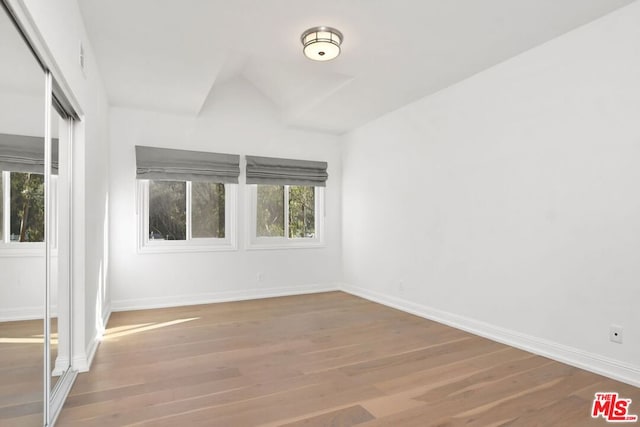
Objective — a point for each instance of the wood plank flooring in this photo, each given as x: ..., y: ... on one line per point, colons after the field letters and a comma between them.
x: 320, y: 360
x: 21, y: 373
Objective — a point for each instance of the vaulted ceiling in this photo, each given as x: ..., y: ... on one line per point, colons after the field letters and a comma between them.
x: 169, y: 55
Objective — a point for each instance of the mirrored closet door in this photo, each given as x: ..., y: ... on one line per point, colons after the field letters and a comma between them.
x: 35, y: 235
x: 22, y: 255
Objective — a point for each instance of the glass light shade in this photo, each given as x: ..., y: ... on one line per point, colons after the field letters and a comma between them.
x: 321, y: 43
x: 321, y: 51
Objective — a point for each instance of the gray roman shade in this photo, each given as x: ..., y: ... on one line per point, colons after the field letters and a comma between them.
x: 274, y: 171
x: 20, y: 153
x: 184, y: 165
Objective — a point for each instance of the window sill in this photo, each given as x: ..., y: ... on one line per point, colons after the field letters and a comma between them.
x: 279, y: 244
x: 18, y: 250
x: 171, y: 247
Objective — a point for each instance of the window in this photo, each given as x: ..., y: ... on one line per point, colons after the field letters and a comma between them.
x: 302, y: 212
x: 26, y: 204
x: 167, y: 210
x: 21, y: 207
x: 187, y: 199
x: 286, y: 215
x: 207, y: 210
x: 22, y: 213
x: 287, y: 202
x: 271, y: 212
x: 186, y: 216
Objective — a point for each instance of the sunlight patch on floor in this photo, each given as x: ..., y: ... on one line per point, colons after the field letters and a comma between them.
x: 123, y: 331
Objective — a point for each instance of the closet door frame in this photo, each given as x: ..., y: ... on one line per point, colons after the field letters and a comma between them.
x: 54, y: 397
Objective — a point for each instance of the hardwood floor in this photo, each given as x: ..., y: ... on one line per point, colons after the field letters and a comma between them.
x: 21, y: 373
x: 320, y: 360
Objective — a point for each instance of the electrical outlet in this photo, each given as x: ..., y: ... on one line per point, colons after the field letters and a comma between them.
x: 615, y: 334
x: 259, y: 277
x: 401, y: 286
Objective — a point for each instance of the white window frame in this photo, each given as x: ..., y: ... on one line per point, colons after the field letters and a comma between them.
x: 228, y: 243
x: 25, y: 249
x: 286, y: 242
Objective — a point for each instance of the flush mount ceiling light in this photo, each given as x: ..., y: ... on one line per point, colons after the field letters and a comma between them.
x: 321, y: 43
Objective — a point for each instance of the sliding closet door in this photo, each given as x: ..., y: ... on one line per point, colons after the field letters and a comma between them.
x: 22, y: 254
x: 59, y: 220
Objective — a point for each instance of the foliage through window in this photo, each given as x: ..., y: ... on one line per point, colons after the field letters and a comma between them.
x: 207, y: 210
x: 167, y: 210
x: 23, y: 194
x: 286, y: 211
x: 270, y: 211
x: 186, y: 211
x: 1, y: 207
x: 302, y: 214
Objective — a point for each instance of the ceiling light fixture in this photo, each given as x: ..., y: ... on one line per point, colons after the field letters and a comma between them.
x: 321, y: 43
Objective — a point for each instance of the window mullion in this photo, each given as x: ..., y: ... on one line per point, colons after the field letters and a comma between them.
x: 317, y: 211
x: 6, y: 206
x: 286, y: 212
x: 145, y: 211
x: 188, y: 201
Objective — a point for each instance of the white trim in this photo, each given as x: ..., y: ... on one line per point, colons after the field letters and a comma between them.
x: 592, y: 362
x: 5, y: 226
x: 82, y: 362
x: 259, y: 243
x: 48, y: 264
x: 61, y: 366
x: 215, y: 297
x: 189, y: 200
x: 106, y: 315
x: 147, y: 246
x: 21, y: 313
x: 22, y: 249
x: 62, y: 389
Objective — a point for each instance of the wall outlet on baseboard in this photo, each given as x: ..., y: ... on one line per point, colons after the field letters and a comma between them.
x: 615, y: 334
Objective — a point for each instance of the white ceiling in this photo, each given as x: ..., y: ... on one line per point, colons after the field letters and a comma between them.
x: 169, y: 55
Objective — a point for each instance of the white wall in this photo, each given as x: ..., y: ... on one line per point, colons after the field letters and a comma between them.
x: 239, y: 120
x: 508, y: 204
x: 59, y: 26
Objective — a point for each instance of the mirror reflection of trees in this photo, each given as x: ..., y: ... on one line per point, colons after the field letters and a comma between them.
x: 27, y: 207
x: 1, y: 207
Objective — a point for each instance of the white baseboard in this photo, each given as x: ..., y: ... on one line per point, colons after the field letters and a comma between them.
x: 24, y: 313
x: 21, y: 313
x: 592, y: 362
x: 61, y: 366
x: 82, y: 362
x: 215, y: 297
